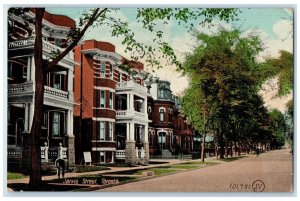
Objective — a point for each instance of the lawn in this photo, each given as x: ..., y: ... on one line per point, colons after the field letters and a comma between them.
x: 85, y: 168
x: 14, y: 175
x: 158, y: 171
x: 232, y: 159
x: 198, y: 163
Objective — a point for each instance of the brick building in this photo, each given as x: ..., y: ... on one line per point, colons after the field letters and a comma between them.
x: 94, y: 93
x: 57, y: 137
x: 111, y: 115
x: 116, y: 116
x: 169, y: 132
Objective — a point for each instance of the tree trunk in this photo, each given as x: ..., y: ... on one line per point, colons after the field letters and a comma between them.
x: 35, y: 151
x: 203, y: 147
x: 221, y: 143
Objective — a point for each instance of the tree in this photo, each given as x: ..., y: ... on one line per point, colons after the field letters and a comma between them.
x: 281, y: 67
x: 193, y: 104
x: 223, y: 66
x: 119, y: 28
x: 278, y: 128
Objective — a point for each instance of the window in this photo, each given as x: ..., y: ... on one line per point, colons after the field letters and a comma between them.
x: 111, y: 100
x: 111, y: 73
x: 58, y: 42
x: 162, y: 93
x: 102, y: 157
x: 102, y: 70
x: 120, y: 77
x: 102, y: 99
x: 149, y: 110
x: 56, y: 124
x: 24, y: 72
x: 111, y: 131
x: 161, y: 115
x: 102, y: 130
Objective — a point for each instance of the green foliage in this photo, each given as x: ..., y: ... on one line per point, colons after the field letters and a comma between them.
x: 278, y: 127
x: 222, y: 95
x: 281, y: 67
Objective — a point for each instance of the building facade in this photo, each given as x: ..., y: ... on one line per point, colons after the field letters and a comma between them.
x: 111, y: 118
x: 57, y: 139
x: 169, y: 132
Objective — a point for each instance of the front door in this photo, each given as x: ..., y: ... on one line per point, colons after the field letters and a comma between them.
x: 162, y: 140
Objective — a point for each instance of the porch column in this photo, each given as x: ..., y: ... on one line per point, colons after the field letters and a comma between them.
x: 128, y: 100
x: 32, y: 68
x: 131, y: 101
x: 70, y: 123
x: 29, y: 59
x: 146, y: 145
x: 145, y: 106
x: 146, y: 134
x: 26, y: 118
x: 131, y: 136
x: 127, y: 131
x: 30, y: 114
x: 70, y: 84
x: 70, y: 139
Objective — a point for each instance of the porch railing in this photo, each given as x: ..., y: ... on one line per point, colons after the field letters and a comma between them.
x: 14, y: 152
x: 56, y: 92
x: 120, y: 154
x: 53, y: 153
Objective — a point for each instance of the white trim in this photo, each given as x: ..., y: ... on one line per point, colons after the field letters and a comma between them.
x: 103, y: 149
x: 104, y: 78
x: 161, y: 108
x: 105, y: 88
x: 105, y: 141
x: 103, y: 119
x: 102, y: 108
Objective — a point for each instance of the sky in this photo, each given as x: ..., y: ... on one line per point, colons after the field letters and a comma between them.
x: 273, y: 25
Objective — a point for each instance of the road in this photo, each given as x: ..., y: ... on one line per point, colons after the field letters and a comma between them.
x: 270, y: 172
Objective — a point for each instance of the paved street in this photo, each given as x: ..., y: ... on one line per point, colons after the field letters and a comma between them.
x: 270, y: 172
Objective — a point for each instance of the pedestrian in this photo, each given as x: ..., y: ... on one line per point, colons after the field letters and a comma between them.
x: 257, y: 152
x: 60, y: 165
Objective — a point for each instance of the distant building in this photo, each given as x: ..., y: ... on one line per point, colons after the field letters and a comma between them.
x: 57, y: 123
x: 169, y: 132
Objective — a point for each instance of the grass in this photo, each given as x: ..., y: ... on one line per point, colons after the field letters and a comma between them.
x: 85, y: 168
x: 186, y: 166
x: 198, y: 163
x: 14, y: 175
x: 158, y: 171
x: 232, y: 159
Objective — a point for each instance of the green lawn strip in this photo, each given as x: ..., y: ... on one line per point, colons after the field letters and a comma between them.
x: 232, y: 159
x: 158, y: 171
x: 80, y: 169
x: 13, y: 175
x: 198, y: 163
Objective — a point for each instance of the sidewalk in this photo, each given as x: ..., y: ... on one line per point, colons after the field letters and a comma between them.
x: 113, y: 170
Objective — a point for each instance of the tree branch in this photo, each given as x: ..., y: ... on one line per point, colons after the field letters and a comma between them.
x: 95, y: 15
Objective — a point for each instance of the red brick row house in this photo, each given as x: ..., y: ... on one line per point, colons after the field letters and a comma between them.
x: 111, y: 115
x: 169, y: 132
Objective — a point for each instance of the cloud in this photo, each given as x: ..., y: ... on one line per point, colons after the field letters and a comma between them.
x: 269, y: 93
